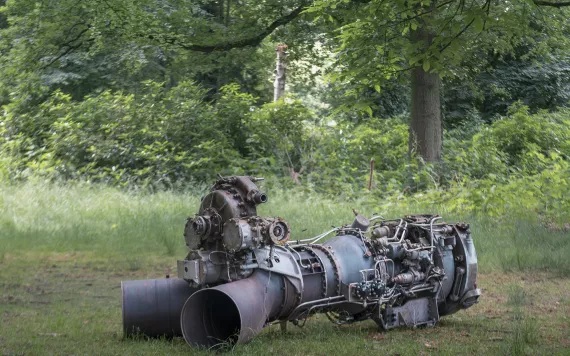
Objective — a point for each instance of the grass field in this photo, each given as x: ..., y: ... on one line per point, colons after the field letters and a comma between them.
x: 64, y: 251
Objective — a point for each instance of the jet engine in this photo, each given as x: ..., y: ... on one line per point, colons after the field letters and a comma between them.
x: 244, y: 272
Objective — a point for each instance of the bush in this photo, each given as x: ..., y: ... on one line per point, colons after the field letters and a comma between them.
x: 169, y: 138
x: 159, y: 137
x: 518, y: 144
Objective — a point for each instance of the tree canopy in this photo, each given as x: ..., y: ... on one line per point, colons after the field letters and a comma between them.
x: 162, y: 93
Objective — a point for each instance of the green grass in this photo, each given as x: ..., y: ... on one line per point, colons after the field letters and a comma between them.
x: 128, y: 226
x: 525, y: 332
x: 65, y: 249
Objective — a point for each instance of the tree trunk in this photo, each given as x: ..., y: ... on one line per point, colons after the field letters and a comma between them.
x: 221, y: 11
x: 3, y: 19
x: 280, y: 73
x: 425, y: 127
x: 228, y: 13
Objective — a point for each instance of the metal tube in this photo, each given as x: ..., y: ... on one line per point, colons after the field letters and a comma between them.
x: 152, y: 307
x: 233, y: 312
x: 398, y: 229
x: 319, y: 306
x: 421, y: 248
x: 298, y: 255
x: 296, y: 312
x: 321, y: 236
x: 431, y: 228
x: 404, y: 233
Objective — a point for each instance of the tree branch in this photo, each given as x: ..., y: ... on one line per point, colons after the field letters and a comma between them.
x: 70, y: 47
x: 456, y: 36
x: 486, y: 4
x: 551, y: 4
x: 240, y: 43
x: 70, y: 42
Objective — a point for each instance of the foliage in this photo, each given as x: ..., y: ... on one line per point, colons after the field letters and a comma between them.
x: 159, y: 137
x: 517, y: 165
x: 518, y: 144
x: 539, y: 82
x: 378, y: 41
x: 171, y: 137
x: 139, y: 94
x: 97, y: 46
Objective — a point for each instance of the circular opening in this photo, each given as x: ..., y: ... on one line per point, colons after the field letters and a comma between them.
x: 278, y: 231
x: 263, y: 198
x: 210, y: 318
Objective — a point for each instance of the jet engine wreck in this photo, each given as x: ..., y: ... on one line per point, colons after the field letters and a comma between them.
x: 244, y: 272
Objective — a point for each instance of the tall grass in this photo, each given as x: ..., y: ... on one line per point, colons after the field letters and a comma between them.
x: 55, y: 218
x: 525, y: 332
x: 129, y: 225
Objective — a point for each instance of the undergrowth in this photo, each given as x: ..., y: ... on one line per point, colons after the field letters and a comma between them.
x: 131, y: 226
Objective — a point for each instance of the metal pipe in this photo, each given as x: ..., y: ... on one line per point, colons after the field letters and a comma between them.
x: 404, y: 233
x: 398, y: 229
x: 319, y: 306
x: 323, y: 235
x: 152, y: 307
x: 431, y: 228
x: 298, y: 255
x: 421, y: 248
x: 233, y: 312
x: 312, y: 239
x: 303, y: 305
x: 249, y: 266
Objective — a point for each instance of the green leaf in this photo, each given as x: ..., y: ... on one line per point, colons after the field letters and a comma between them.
x: 478, y: 24
x: 426, y: 65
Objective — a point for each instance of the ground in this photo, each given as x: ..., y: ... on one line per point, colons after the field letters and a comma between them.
x: 70, y: 304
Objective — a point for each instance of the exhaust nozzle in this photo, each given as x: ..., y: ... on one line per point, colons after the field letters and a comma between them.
x: 152, y: 307
x: 231, y: 313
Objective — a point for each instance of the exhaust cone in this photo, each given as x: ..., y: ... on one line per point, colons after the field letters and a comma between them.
x: 231, y: 313
x: 152, y: 307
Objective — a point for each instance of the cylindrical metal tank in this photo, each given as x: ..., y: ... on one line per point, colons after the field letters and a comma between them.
x: 232, y: 312
x: 152, y: 307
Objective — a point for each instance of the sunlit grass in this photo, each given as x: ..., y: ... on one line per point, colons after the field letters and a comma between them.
x: 128, y: 226
x: 65, y: 249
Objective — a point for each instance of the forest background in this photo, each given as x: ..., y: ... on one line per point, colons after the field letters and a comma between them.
x: 458, y: 101
x: 116, y: 116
